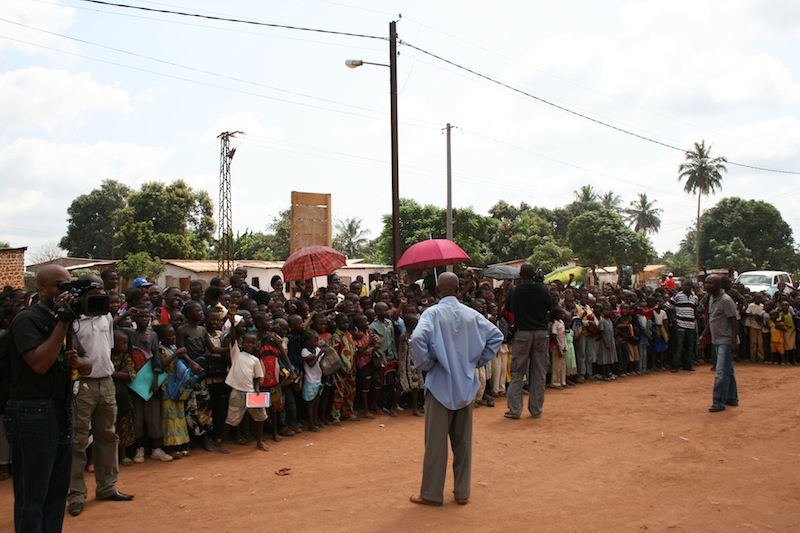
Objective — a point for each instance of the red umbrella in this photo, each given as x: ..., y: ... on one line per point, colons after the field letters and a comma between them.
x: 312, y: 261
x: 432, y: 253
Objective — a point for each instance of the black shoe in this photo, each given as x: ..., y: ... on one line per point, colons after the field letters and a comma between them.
x: 674, y: 370
x: 689, y: 369
x: 75, y: 508
x: 715, y: 409
x: 509, y: 414
x: 119, y: 497
x: 732, y: 404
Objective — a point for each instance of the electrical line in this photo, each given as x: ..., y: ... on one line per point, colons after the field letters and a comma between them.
x: 236, y: 20
x: 170, y: 63
x: 576, y: 84
x: 440, y: 58
x: 576, y: 113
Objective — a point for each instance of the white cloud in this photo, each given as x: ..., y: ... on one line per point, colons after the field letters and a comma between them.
x: 44, y: 16
x: 41, y: 178
x: 52, y: 100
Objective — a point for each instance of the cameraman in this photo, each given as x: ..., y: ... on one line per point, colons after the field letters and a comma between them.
x: 531, y: 303
x: 95, y: 406
x: 37, y: 417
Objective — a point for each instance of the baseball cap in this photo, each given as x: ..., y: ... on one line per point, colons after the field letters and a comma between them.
x: 140, y: 282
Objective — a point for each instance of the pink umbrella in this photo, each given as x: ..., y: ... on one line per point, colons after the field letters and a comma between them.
x: 432, y: 253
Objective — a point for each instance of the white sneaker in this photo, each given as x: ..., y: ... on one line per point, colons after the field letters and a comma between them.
x: 139, y: 457
x: 159, y: 455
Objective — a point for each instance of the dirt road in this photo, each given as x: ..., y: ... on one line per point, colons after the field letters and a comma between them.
x: 640, y: 453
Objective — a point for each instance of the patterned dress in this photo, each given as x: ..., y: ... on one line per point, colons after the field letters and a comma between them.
x: 197, y: 407
x: 125, y: 431
x: 410, y: 376
x: 344, y: 387
x: 173, y: 416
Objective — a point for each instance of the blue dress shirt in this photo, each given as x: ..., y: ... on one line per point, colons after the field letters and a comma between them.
x: 450, y: 341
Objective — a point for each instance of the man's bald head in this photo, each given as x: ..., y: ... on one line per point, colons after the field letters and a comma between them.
x: 448, y: 284
x: 52, y: 274
x: 47, y: 279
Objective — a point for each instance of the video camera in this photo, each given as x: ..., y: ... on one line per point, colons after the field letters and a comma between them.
x: 83, y: 303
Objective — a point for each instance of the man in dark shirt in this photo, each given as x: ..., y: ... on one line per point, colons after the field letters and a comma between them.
x: 530, y: 302
x: 37, y: 417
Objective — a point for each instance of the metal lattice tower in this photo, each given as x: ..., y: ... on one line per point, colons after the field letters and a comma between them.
x: 225, y: 251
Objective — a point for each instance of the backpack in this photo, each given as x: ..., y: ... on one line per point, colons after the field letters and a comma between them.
x: 272, y: 369
x: 182, y: 382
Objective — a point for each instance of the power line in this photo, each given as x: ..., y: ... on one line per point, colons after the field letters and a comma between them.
x: 576, y: 113
x: 579, y: 85
x: 236, y: 20
x: 435, y: 56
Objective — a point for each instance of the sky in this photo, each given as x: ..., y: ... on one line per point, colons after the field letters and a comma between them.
x: 90, y: 92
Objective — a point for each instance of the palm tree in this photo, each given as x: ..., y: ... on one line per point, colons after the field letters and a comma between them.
x: 643, y: 215
x: 586, y: 193
x: 611, y: 201
x: 350, y: 239
x: 703, y: 176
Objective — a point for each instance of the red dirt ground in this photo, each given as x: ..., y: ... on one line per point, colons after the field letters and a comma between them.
x: 641, y: 453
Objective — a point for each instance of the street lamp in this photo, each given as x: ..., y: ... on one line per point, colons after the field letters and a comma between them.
x: 353, y: 63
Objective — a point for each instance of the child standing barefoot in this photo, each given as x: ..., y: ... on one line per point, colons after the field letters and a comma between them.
x: 410, y: 376
x: 173, y: 418
x: 344, y: 382
x: 559, y: 350
x: 123, y: 374
x: 608, y: 353
x: 244, y: 377
x: 312, y: 377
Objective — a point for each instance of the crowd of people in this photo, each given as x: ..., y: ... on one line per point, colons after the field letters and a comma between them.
x: 169, y: 372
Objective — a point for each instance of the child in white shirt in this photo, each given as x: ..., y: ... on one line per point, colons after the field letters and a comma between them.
x: 244, y: 377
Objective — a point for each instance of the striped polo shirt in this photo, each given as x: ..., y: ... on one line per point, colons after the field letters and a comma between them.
x: 685, y: 308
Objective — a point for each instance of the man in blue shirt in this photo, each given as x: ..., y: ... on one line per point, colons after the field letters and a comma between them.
x: 450, y: 341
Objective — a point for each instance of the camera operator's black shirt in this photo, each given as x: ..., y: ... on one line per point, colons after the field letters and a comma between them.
x: 32, y: 327
x: 530, y: 303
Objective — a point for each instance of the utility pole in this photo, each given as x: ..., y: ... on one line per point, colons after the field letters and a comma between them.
x: 449, y: 222
x: 395, y: 149
x: 225, y: 242
x: 449, y: 186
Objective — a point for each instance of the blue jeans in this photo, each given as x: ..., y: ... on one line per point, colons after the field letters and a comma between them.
x: 725, y: 392
x: 583, y: 354
x: 40, y: 435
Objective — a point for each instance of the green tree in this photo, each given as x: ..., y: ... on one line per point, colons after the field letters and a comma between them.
x: 140, y: 264
x: 280, y: 238
x: 600, y: 238
x: 518, y: 237
x: 350, y: 238
x: 586, y: 193
x: 611, y: 201
x: 172, y: 221
x: 643, y: 215
x: 703, y: 175
x: 732, y: 253
x: 5, y: 244
x: 421, y: 222
x: 272, y: 245
x: 680, y: 264
x: 90, y: 226
x: 638, y: 251
x: 760, y: 228
x: 550, y: 255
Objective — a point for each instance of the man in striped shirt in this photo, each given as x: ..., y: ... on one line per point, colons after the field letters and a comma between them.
x: 685, y: 307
